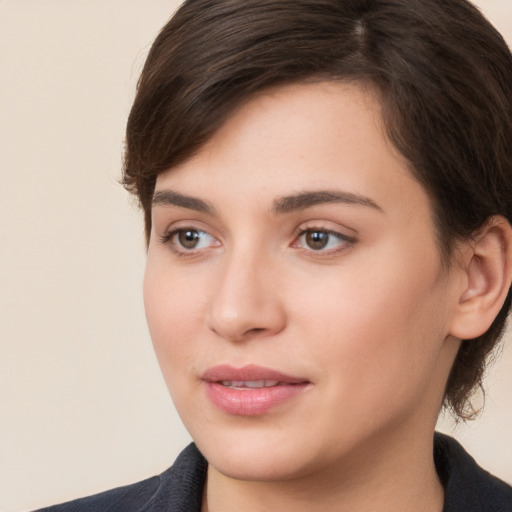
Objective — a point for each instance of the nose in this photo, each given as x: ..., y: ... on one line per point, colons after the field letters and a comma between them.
x: 246, y: 302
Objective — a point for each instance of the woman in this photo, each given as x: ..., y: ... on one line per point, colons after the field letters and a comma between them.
x: 327, y: 192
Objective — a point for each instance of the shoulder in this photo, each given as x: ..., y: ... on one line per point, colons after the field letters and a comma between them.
x: 130, y: 498
x: 179, y: 489
x: 468, y: 487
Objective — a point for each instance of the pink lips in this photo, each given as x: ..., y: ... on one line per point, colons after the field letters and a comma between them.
x: 251, y: 390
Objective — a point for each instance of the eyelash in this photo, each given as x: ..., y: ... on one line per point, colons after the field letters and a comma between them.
x: 167, y: 239
x: 345, y: 242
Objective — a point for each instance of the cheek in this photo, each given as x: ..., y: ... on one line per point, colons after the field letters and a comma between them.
x: 174, y: 312
x: 375, y: 332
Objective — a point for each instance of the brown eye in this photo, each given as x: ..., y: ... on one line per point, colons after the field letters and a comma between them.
x: 188, y: 238
x: 323, y: 241
x: 317, y: 240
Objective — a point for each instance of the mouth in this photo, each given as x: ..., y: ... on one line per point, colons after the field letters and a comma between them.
x: 250, y: 376
x: 251, y: 390
x: 251, y: 384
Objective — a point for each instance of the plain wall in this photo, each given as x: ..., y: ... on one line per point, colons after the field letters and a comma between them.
x: 82, y: 404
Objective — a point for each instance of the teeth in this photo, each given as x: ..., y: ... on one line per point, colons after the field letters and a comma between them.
x: 254, y: 384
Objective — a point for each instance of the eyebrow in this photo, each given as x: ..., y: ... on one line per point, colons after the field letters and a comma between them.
x: 304, y: 200
x: 173, y: 198
x: 285, y: 204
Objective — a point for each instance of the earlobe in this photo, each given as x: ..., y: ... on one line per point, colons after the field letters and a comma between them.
x: 487, y: 262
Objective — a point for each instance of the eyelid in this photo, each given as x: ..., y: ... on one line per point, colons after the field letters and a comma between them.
x: 174, y: 229
x: 166, y: 227
x: 328, y: 227
x: 346, y: 241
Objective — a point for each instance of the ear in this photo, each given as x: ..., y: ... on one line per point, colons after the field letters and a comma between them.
x: 487, y: 268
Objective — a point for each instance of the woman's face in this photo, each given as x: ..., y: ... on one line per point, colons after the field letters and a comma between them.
x: 294, y: 290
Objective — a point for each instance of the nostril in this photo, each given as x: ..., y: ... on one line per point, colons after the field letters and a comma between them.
x: 255, y: 330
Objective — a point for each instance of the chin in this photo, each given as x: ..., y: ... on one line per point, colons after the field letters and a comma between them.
x: 256, y: 463
x: 263, y: 452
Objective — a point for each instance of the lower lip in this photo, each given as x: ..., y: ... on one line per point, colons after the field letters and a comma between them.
x: 251, y: 401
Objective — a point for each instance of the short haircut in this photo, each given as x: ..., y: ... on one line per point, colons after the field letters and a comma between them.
x: 441, y: 71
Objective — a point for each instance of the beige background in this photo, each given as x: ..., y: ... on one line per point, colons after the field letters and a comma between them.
x: 82, y: 404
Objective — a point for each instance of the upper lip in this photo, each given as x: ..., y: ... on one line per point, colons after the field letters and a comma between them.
x: 248, y: 373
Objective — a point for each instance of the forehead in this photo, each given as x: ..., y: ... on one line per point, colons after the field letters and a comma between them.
x: 323, y: 130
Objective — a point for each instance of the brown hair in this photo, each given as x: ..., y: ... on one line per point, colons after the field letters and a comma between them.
x: 443, y: 74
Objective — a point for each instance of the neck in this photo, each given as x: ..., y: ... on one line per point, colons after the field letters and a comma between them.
x: 377, y: 478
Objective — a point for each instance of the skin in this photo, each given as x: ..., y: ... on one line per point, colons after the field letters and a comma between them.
x: 368, y: 320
